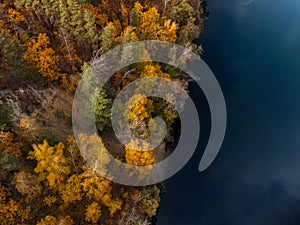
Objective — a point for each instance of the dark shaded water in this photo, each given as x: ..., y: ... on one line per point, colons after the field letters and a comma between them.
x: 253, y: 47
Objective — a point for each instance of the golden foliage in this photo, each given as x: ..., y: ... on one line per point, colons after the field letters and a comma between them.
x: 55, y: 37
x: 8, y: 145
x: 48, y: 220
x: 142, y: 109
x: 15, y: 16
x: 95, y: 186
x: 49, y: 200
x: 4, y: 193
x: 138, y: 7
x: 154, y: 27
x: 113, y: 205
x: 51, y: 163
x: 51, y: 220
x: 146, y: 24
x: 169, y: 31
x: 149, y: 24
x: 138, y: 154
x: 99, y: 188
x: 71, y: 190
x: 128, y: 35
x: 100, y: 18
x: 153, y: 69
x: 11, y: 212
x: 93, y: 213
x: 43, y: 57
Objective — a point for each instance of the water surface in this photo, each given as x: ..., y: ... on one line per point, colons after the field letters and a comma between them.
x: 253, y: 47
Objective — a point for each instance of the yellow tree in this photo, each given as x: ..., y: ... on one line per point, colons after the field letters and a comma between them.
x: 51, y: 163
x: 139, y: 154
x: 151, y: 69
x: 99, y: 188
x: 145, y: 24
x: 95, y: 186
x: 93, y: 213
x: 100, y: 17
x: 71, y: 190
x: 150, y: 25
x: 163, y: 108
x: 8, y: 145
x: 168, y: 31
x: 48, y: 220
x: 43, y: 57
x: 140, y: 114
x: 49, y: 200
x: 11, y: 212
x: 142, y: 109
x: 51, y: 220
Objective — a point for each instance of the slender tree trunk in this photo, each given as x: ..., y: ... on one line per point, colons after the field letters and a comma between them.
x: 165, y: 6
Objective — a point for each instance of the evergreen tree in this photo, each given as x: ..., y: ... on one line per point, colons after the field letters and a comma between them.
x: 108, y: 37
x: 134, y: 18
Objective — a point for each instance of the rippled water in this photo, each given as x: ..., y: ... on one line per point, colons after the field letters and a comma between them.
x: 253, y: 47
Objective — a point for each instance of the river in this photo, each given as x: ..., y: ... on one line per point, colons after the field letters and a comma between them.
x: 253, y: 47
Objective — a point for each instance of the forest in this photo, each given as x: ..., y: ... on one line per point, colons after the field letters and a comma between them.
x: 45, y: 48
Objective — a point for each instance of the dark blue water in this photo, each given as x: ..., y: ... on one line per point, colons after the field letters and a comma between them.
x: 254, y: 51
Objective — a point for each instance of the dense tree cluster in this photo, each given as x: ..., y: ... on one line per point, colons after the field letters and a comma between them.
x: 56, y: 37
x: 51, y: 43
